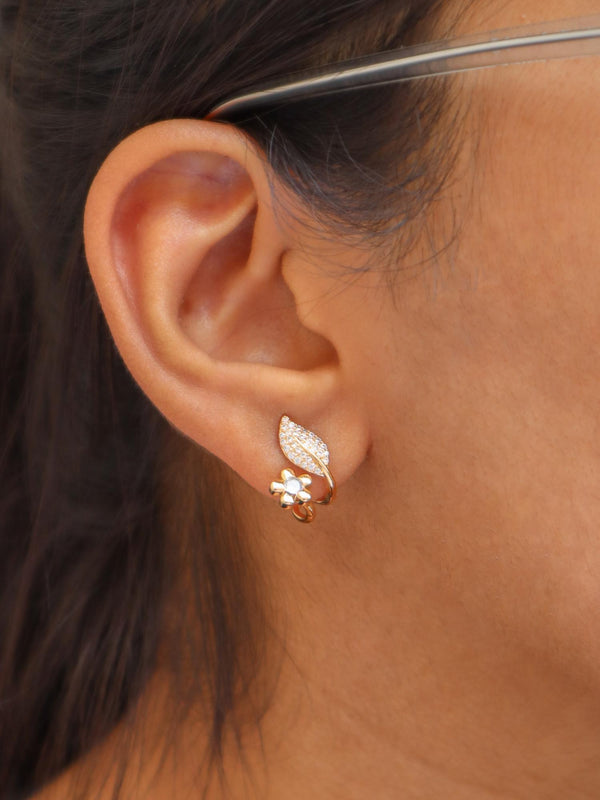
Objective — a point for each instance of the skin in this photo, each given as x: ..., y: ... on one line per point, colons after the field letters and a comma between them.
x: 442, y: 618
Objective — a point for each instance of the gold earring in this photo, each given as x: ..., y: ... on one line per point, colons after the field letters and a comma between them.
x: 304, y: 449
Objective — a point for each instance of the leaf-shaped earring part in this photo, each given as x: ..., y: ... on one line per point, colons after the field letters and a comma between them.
x: 306, y: 450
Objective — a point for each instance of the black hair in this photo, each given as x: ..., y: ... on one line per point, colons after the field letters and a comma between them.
x: 102, y: 503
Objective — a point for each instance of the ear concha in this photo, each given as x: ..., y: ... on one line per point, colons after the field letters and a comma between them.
x: 299, y: 445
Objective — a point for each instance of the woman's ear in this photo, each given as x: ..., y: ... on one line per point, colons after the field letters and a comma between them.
x: 185, y: 250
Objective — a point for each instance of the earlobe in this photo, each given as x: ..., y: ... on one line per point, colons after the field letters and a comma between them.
x: 185, y: 250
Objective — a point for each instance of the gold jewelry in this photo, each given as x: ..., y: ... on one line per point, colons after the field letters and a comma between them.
x: 304, y: 449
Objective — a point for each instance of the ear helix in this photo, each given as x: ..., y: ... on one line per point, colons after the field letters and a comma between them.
x: 306, y: 450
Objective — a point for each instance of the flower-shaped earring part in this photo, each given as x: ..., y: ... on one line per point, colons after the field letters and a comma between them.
x: 292, y: 489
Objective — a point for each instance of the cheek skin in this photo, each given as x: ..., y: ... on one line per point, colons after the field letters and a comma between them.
x: 480, y: 373
x: 490, y: 420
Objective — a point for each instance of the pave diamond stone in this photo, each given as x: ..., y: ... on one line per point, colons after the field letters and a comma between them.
x: 300, y: 446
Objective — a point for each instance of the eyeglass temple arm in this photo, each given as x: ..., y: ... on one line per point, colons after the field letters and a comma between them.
x: 560, y: 39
